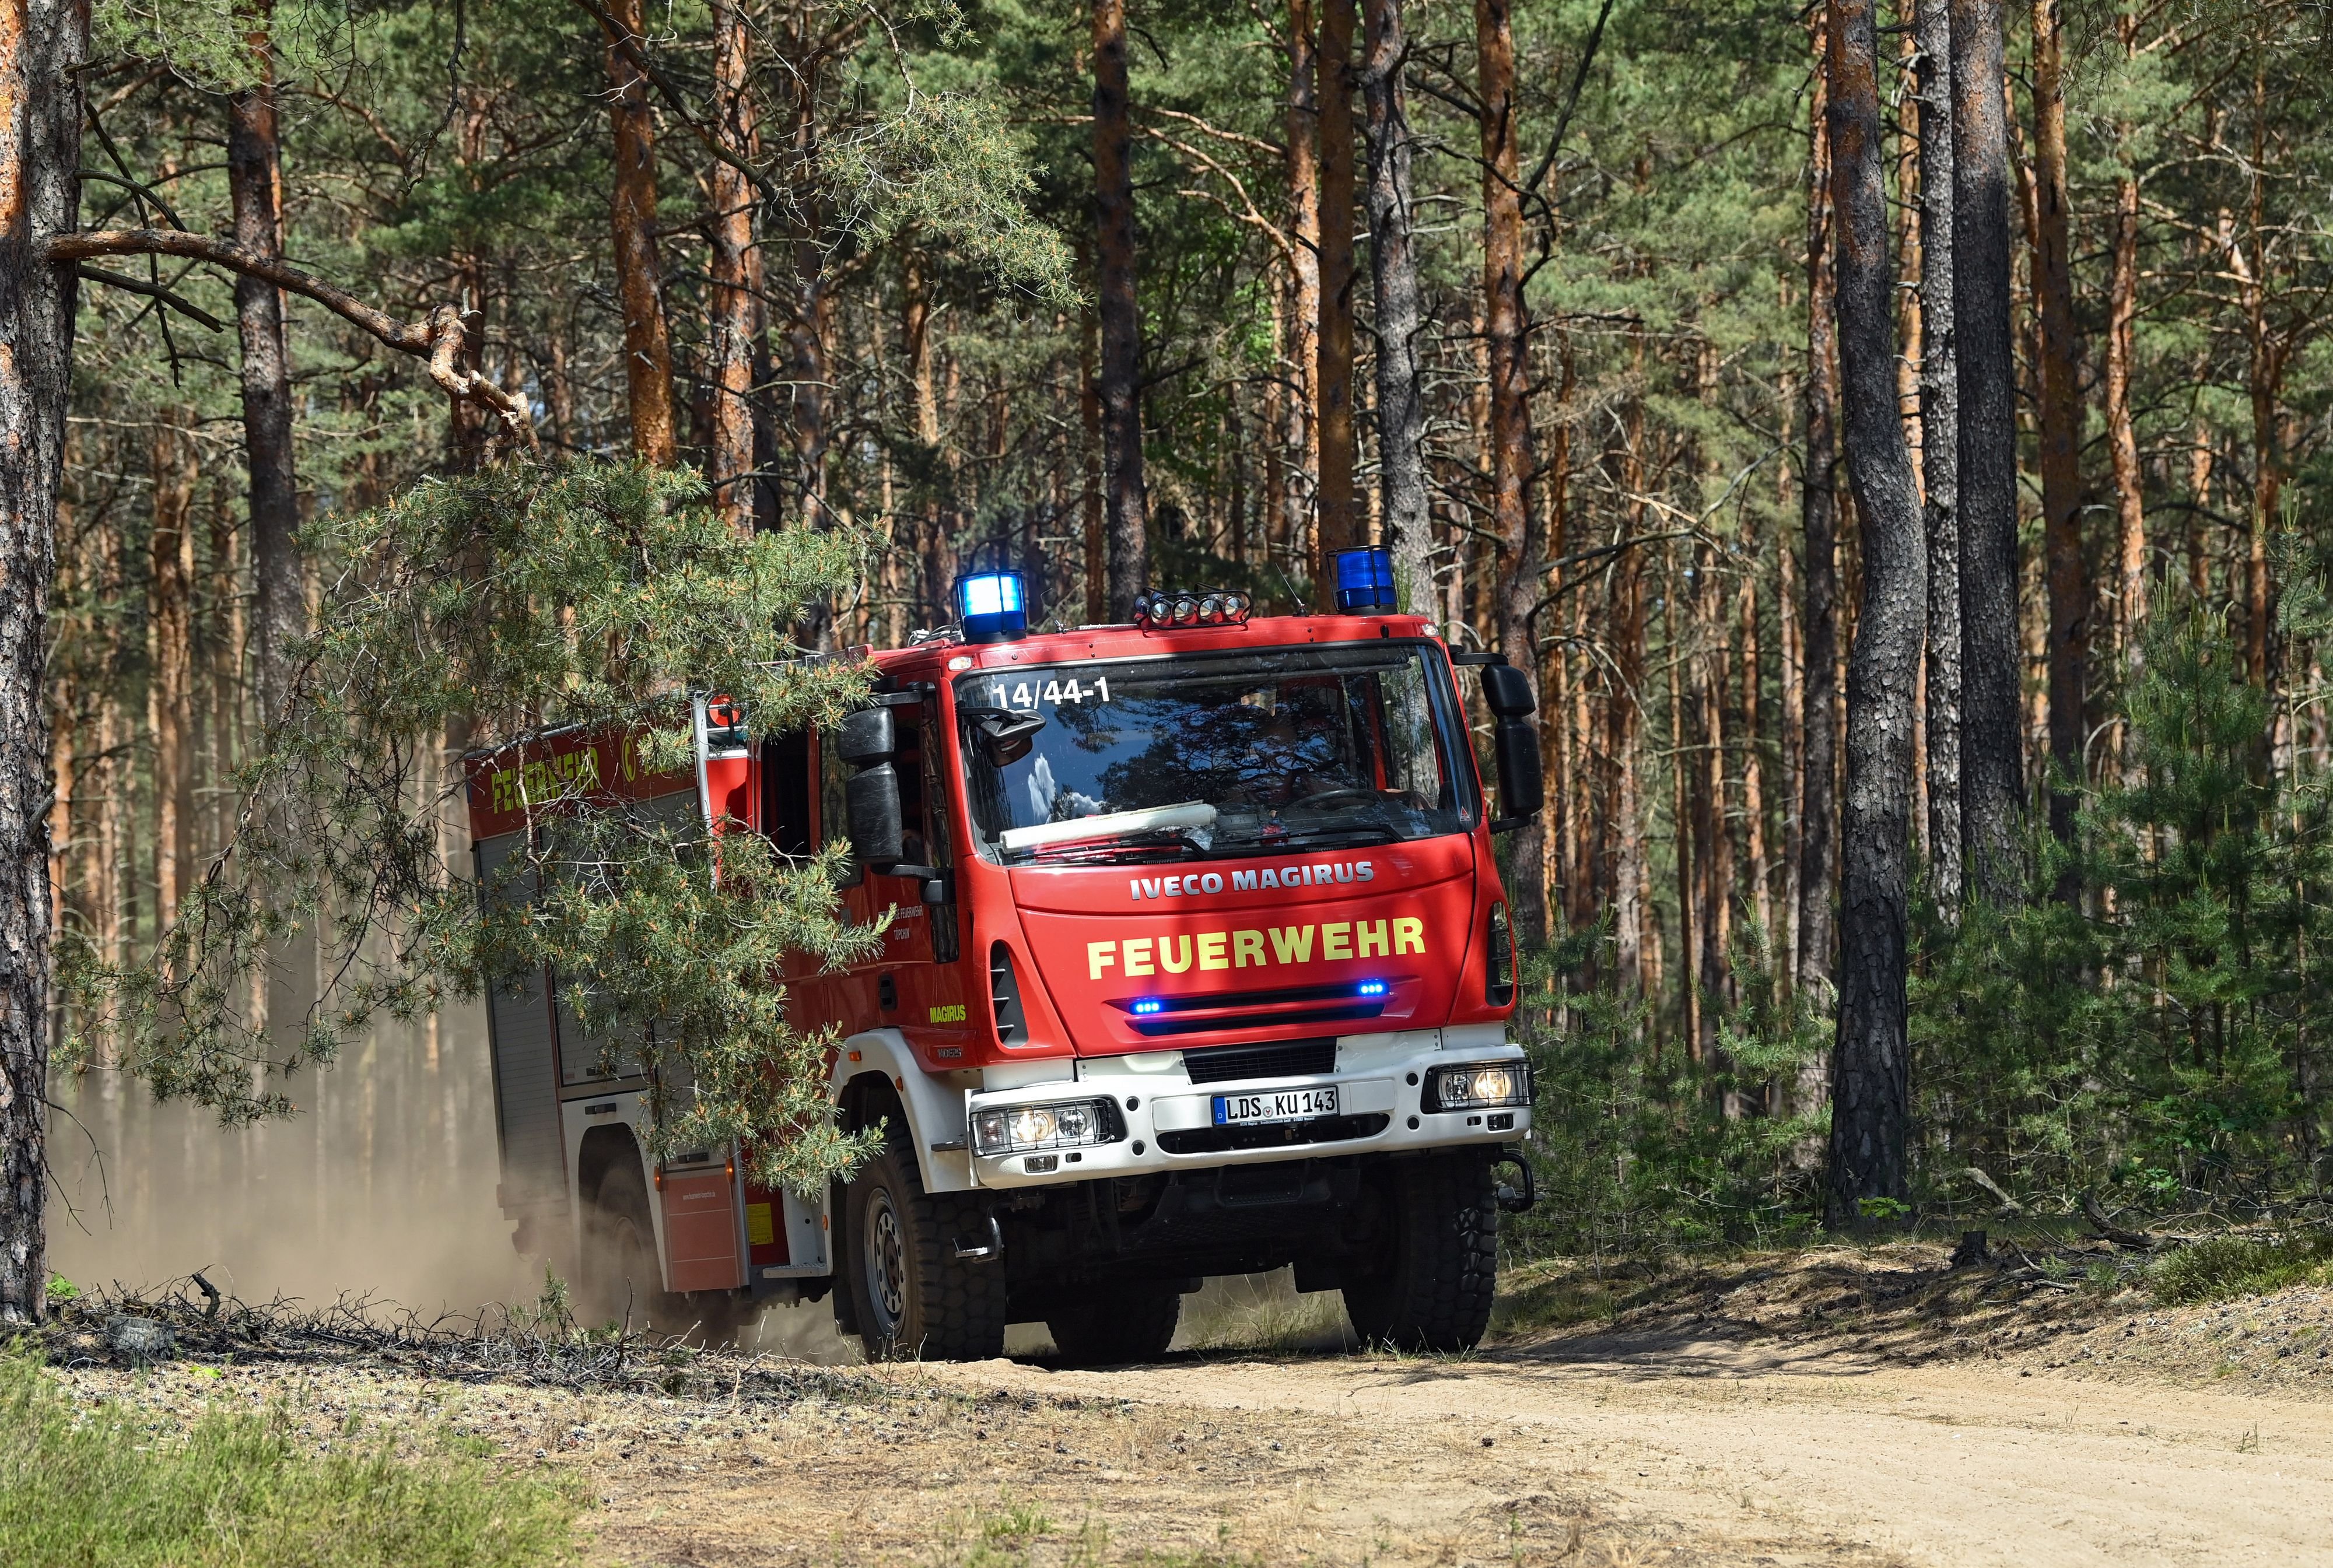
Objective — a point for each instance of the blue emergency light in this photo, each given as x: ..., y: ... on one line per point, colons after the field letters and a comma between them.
x: 1364, y: 579
x: 994, y: 607
x: 1148, y: 1006
x: 1370, y: 987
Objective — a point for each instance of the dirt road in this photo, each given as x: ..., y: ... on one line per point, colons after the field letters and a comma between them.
x: 1915, y: 1417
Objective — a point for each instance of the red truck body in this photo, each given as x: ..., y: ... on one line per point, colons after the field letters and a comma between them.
x: 1192, y: 1038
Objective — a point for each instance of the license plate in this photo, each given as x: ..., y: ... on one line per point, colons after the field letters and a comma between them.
x: 1280, y: 1105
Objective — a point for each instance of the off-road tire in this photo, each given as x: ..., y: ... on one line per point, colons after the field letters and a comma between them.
x: 1117, y: 1325
x: 1441, y: 1261
x: 912, y: 1297
x: 623, y: 1281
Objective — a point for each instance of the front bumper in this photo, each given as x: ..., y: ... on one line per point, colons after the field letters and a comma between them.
x: 1167, y: 1122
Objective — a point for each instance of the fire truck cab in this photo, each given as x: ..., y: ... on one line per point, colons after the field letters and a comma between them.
x: 1199, y: 965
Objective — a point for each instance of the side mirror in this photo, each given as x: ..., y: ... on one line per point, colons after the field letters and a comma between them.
x: 1003, y: 735
x: 866, y: 737
x: 1522, y: 787
x: 1506, y: 691
x: 871, y: 803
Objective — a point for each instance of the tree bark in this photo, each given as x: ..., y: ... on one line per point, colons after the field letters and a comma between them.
x: 1302, y: 129
x: 42, y: 45
x: 1870, y: 1070
x: 255, y: 181
x: 1506, y: 332
x: 1818, y: 622
x: 1341, y: 527
x: 1393, y: 264
x: 2263, y: 378
x: 1125, y: 503
x: 2121, y: 434
x: 170, y: 682
x: 1993, y: 751
x: 640, y: 281
x: 1940, y: 456
x: 2060, y: 417
x: 735, y: 329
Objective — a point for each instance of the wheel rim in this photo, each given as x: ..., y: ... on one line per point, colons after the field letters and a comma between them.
x: 885, y: 1250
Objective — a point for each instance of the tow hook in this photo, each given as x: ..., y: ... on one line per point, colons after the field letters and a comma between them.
x: 1513, y: 1199
x: 994, y: 1250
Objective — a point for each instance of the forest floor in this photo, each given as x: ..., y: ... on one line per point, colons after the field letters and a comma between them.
x: 1827, y: 1406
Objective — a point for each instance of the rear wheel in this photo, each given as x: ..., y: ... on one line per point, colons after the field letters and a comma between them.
x: 1122, y: 1323
x: 915, y: 1297
x: 1442, y: 1260
x: 623, y: 1281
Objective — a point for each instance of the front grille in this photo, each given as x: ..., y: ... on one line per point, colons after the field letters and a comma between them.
x: 1273, y: 1135
x: 1288, y: 1059
x: 1213, y: 1012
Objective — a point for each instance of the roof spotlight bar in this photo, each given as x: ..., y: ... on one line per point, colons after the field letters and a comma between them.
x: 1163, y: 611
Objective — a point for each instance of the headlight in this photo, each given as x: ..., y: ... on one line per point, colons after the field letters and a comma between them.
x: 1500, y: 978
x: 1478, y: 1085
x: 1016, y: 1129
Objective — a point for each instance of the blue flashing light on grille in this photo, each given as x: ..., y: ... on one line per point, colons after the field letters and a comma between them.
x: 1371, y: 988
x: 1148, y: 1006
x: 992, y: 606
x: 1364, y: 579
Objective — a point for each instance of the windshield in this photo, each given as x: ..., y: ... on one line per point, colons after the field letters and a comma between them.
x: 1213, y: 755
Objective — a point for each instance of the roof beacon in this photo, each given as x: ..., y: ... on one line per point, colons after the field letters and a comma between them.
x: 1364, y: 580
x: 994, y: 607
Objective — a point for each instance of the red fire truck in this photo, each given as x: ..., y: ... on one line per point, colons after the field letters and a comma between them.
x: 1201, y: 966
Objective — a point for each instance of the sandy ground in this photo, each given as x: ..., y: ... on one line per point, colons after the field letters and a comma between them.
x: 1831, y: 1408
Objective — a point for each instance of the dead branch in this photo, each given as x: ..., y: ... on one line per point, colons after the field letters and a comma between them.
x: 2096, y: 1214
x: 129, y: 285
x: 437, y: 341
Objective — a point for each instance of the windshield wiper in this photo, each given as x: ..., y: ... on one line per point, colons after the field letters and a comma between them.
x: 1319, y: 838
x: 1149, y: 844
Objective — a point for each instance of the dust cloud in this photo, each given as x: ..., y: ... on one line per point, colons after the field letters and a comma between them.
x: 383, y: 1184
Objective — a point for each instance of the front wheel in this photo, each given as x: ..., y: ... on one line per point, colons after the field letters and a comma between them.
x: 915, y: 1295
x: 1442, y: 1263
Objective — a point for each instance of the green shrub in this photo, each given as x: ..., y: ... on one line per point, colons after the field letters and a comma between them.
x: 2223, y: 1267
x: 89, y: 1486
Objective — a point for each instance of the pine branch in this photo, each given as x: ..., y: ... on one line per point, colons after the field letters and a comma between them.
x: 438, y: 340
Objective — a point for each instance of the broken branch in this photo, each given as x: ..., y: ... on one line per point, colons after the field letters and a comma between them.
x: 437, y: 341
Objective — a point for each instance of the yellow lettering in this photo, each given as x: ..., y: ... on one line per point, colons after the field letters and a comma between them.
x: 1099, y: 956
x: 1137, y: 955
x: 1211, y: 950
x: 1408, y: 934
x: 1168, y: 959
x: 1337, y: 939
x: 1292, y: 944
x: 1247, y: 948
x: 759, y: 1229
x: 1372, y: 936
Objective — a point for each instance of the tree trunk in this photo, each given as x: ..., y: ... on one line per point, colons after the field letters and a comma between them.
x: 2122, y: 435
x: 1625, y: 713
x: 1095, y: 539
x: 1340, y: 523
x: 1393, y: 264
x: 255, y: 181
x: 1819, y: 624
x: 42, y: 45
x: 735, y: 329
x: 1870, y: 1069
x: 1993, y: 766
x: 1302, y: 129
x: 1940, y: 456
x: 1753, y: 762
x: 2264, y: 375
x: 169, y: 681
x: 2060, y: 417
x: 639, y: 282
x: 1506, y: 335
x: 1125, y: 503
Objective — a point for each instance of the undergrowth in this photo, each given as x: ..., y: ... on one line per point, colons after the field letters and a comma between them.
x: 97, y: 1485
x: 2221, y: 1268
